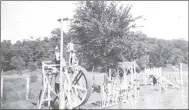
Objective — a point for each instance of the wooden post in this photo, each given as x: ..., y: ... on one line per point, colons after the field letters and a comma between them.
x: 134, y: 70
x: 160, y: 73
x: 48, y: 92
x: 144, y: 77
x: 124, y: 77
x: 27, y: 87
x: 2, y: 88
x: 131, y: 70
x: 180, y: 71
x: 62, y: 100
x: 61, y: 86
x: 110, y: 74
x: 43, y: 73
x: 178, y: 76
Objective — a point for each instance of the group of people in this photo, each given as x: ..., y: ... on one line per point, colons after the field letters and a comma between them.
x: 72, y: 60
x: 72, y: 56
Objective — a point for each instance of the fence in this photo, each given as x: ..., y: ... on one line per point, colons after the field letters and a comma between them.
x: 15, y: 77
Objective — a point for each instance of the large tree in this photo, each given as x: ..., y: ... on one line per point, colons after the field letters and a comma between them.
x: 102, y: 29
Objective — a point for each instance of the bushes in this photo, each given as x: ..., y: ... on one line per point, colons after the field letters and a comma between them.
x: 18, y: 63
x: 32, y: 66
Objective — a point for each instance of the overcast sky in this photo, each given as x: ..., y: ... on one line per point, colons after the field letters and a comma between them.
x: 21, y: 19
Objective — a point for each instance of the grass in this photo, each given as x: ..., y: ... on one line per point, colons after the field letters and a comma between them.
x: 15, y: 90
x: 14, y: 93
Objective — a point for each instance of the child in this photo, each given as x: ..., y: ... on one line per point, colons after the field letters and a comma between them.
x: 57, y: 55
x: 154, y: 81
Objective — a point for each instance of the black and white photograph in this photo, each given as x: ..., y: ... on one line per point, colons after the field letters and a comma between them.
x: 94, y: 55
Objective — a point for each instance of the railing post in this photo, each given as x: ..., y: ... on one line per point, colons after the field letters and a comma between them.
x: 2, y: 88
x: 145, y: 76
x: 181, y: 75
x: 27, y: 87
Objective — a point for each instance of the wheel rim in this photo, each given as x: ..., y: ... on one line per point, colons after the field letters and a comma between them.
x: 77, y: 93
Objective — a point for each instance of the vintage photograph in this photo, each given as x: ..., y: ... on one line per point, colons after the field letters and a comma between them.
x: 94, y: 55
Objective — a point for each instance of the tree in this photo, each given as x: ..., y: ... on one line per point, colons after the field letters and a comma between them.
x: 6, y: 54
x: 18, y: 63
x: 101, y: 29
x: 143, y: 61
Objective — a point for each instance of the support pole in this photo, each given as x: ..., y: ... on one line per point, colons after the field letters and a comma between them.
x: 43, y: 73
x: 131, y: 70
x: 61, y: 86
x: 27, y: 87
x: 180, y: 71
x: 160, y: 73
x: 124, y: 77
x: 49, y: 97
x: 2, y: 88
x: 144, y: 77
x: 134, y: 69
x: 177, y: 74
x: 110, y: 74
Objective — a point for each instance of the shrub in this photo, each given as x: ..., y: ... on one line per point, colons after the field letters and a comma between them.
x: 18, y: 63
x: 32, y: 66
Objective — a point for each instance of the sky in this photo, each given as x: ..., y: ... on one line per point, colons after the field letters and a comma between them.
x: 21, y: 19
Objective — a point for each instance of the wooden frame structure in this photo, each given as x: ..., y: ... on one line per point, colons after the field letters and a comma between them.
x: 71, y: 92
x: 114, y: 92
x: 47, y: 77
x: 171, y: 78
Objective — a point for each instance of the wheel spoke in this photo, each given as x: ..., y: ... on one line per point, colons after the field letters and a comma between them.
x: 79, y: 87
x: 76, y: 96
x: 76, y: 87
x: 77, y: 78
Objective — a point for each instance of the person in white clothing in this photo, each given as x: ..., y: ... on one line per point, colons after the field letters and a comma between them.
x: 70, y: 47
x: 72, y: 56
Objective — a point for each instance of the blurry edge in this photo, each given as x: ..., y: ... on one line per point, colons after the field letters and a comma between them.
x: 1, y: 66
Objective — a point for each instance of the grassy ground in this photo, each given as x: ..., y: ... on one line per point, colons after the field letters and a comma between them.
x: 15, y: 90
x: 14, y: 93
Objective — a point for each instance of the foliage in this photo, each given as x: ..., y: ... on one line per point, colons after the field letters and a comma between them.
x: 17, y: 62
x: 101, y: 32
x: 32, y: 66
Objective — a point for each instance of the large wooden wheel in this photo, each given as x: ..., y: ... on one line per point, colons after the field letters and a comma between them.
x: 77, y: 87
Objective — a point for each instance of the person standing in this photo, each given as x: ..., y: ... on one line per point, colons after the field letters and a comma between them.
x: 57, y: 55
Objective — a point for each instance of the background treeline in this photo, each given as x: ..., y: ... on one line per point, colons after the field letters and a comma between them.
x: 102, y: 33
